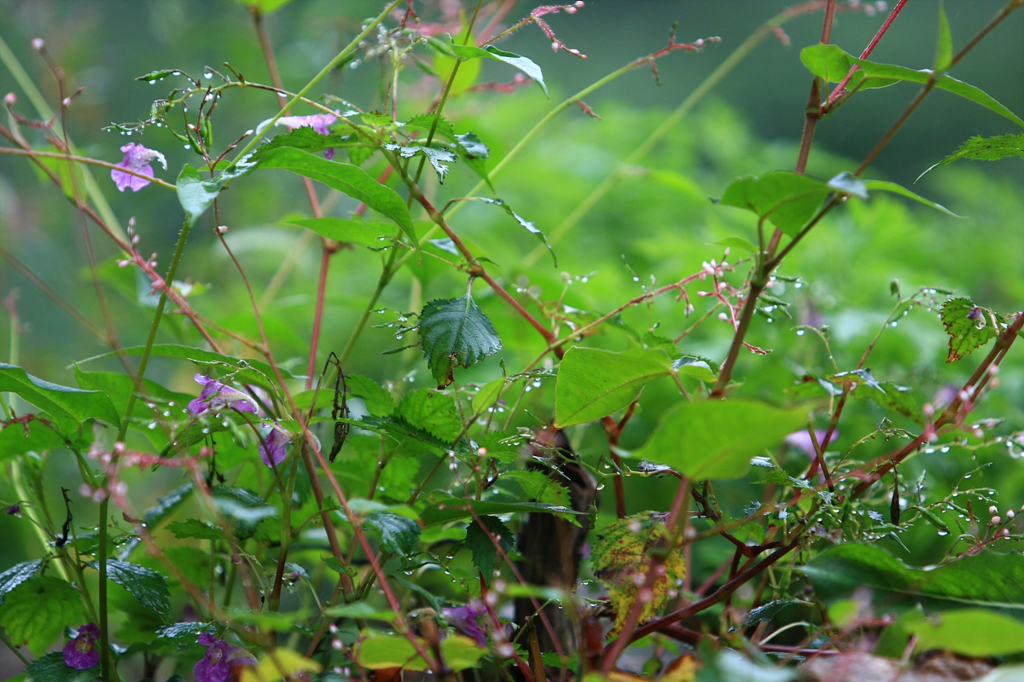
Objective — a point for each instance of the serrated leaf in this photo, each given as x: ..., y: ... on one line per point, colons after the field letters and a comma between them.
x: 165, y: 505
x: 980, y: 148
x: 526, y: 224
x: 622, y: 555
x: 696, y: 367
x: 969, y: 326
x: 52, y: 668
x: 15, y: 441
x: 243, y: 507
x: 707, y: 439
x: 194, y: 528
x: 431, y: 411
x: 892, y: 187
x: 423, y: 123
x: 594, y: 383
x: 788, y: 200
x: 458, y: 508
x: 476, y: 153
x: 16, y: 575
x: 184, y: 635
x: 378, y: 399
x: 399, y: 535
x: 524, y: 64
x: 501, y: 446
x: 540, y: 487
x: 345, y: 178
x: 455, y: 333
x: 67, y: 407
x: 148, y: 587
x: 38, y: 609
x: 485, y: 556
x: 437, y: 157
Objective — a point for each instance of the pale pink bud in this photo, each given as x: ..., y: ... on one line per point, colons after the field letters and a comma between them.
x: 37, y: 44
x: 1010, y: 514
x: 993, y: 509
x: 10, y: 98
x: 222, y: 229
x: 995, y: 521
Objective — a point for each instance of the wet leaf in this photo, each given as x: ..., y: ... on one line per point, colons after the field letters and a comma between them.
x: 184, y: 635
x: 788, y: 200
x: 433, y: 412
x: 16, y: 575
x: 399, y: 535
x: 485, y: 556
x: 437, y: 157
x: 148, y: 587
x: 969, y: 326
x: 66, y: 407
x: 980, y: 148
x: 458, y: 508
x: 455, y: 333
x: 52, y: 668
x: 38, y: 609
x: 526, y: 224
x: 524, y: 64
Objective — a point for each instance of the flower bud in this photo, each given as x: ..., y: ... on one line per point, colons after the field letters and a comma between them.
x: 38, y: 44
x: 10, y: 98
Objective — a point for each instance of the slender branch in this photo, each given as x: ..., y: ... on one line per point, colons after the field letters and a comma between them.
x: 86, y: 159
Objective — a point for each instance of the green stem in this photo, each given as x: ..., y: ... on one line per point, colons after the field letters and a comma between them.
x: 385, y: 277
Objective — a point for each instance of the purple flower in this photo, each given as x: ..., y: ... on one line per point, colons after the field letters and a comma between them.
x: 319, y: 122
x: 14, y: 509
x: 466, y: 619
x: 274, y: 446
x: 222, y: 660
x: 216, y: 395
x: 136, y: 158
x: 801, y: 440
x: 81, y: 653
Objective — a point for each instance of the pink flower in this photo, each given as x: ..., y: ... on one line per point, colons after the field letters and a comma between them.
x: 136, y: 158
x: 216, y: 396
x: 274, y: 447
x: 222, y: 660
x: 466, y: 619
x: 321, y: 123
x: 81, y: 653
x: 801, y: 440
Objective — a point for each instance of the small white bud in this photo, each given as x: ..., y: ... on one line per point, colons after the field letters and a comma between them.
x: 222, y: 229
x: 37, y: 44
x: 554, y: 46
x: 1010, y: 514
x: 995, y: 521
x: 10, y: 98
x: 993, y: 510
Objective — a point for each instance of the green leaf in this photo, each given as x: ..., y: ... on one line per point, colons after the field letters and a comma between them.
x: 165, y: 505
x: 884, y: 186
x: 399, y: 535
x: 431, y: 411
x: 526, y: 224
x: 346, y: 178
x: 969, y: 326
x: 832, y: 63
x: 457, y: 508
x: 438, y: 157
x: 244, y: 507
x: 38, y: 609
x: 159, y: 74
x: 265, y: 6
x: 454, y: 333
x: 621, y: 559
x: 194, y: 528
x: 540, y: 487
x: 378, y: 399
x: 788, y: 200
x: 769, y: 610
x: 738, y: 243
x: 485, y: 556
x: 247, y: 371
x: 696, y: 367
x: 987, y: 579
x: 487, y: 395
x: 184, y: 635
x: 716, y: 439
x: 14, y: 441
x: 304, y: 138
x: 52, y: 668
x: 980, y: 148
x: 594, y: 383
x: 524, y: 64
x: 16, y: 575
x: 67, y: 407
x: 971, y: 632
x: 848, y: 183
x: 344, y: 230
x: 359, y: 609
x: 944, y: 49
x: 379, y: 651
x: 194, y: 193
x: 148, y: 587
x: 423, y: 123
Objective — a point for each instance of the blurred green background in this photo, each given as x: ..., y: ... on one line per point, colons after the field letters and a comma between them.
x: 662, y: 225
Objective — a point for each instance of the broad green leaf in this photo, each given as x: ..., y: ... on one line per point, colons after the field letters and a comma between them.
x: 969, y: 326
x: 715, y: 438
x: 848, y: 183
x: 184, y: 635
x: 457, y: 509
x: 980, y: 148
x: 524, y: 64
x: 424, y: 123
x: 621, y: 559
x: 148, y: 587
x: 485, y: 556
x: 454, y: 333
x: 526, y: 224
x: 395, y: 651
x: 438, y: 157
x: 487, y: 395
x: 944, y: 49
x: 344, y: 230
x: 787, y: 199
x: 399, y: 535
x: 698, y: 368
x: 38, y: 609
x: 304, y: 138
x: 165, y: 505
x: 830, y: 61
x: 194, y: 528
x: 738, y: 243
x: 359, y: 609
x: 52, y: 668
x: 476, y: 153
x: 445, y: 61
x: 14, y: 441
x: 885, y: 186
x: 346, y: 178
x: 194, y: 193
x: 540, y: 487
x: 594, y: 383
x: 971, y: 632
x: 431, y: 411
x: 16, y: 575
x: 243, y: 507
x: 378, y: 399
x: 988, y: 579
x: 67, y: 407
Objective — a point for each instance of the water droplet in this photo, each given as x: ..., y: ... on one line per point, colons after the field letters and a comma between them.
x: 798, y: 285
x: 281, y: 95
x: 943, y: 533
x: 398, y: 336
x: 175, y: 73
x: 584, y: 279
x: 944, y: 450
x: 152, y: 82
x: 188, y: 146
x: 167, y: 413
x: 206, y: 430
x: 894, y: 323
x: 799, y: 332
x: 207, y: 75
x: 151, y: 425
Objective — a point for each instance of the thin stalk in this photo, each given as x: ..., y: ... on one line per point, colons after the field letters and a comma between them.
x: 86, y: 160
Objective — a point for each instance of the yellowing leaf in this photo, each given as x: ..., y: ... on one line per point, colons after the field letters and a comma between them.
x: 622, y: 557
x: 278, y: 664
